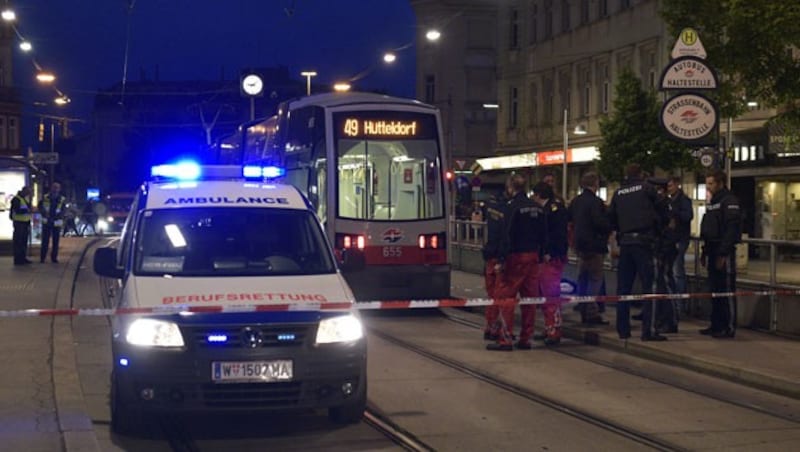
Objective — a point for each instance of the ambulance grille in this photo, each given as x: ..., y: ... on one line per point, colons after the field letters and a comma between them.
x: 243, y: 395
x: 271, y: 335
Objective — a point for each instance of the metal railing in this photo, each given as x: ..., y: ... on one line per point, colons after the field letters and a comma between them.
x: 758, y: 260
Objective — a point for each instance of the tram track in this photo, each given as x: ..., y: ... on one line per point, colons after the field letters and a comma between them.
x: 533, y: 396
x: 646, y: 376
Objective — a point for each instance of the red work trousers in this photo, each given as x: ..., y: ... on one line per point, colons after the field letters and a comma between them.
x: 550, y: 286
x: 521, y: 277
x: 494, y: 281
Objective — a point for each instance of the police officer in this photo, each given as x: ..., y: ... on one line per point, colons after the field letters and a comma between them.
x: 21, y: 213
x: 51, y: 207
x: 682, y: 214
x: 527, y: 231
x: 591, y: 227
x: 721, y: 230
x: 633, y: 215
x: 553, y: 260
x: 494, y: 251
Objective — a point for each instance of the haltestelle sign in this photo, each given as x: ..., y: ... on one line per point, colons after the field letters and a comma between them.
x: 688, y: 73
x: 689, y: 117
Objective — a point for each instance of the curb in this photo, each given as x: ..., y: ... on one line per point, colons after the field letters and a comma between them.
x: 74, y: 423
x: 765, y: 382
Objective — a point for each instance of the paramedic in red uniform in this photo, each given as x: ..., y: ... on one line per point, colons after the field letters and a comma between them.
x: 494, y: 250
x: 553, y: 260
x: 527, y: 230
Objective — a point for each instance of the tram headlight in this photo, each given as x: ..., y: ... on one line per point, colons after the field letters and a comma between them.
x: 154, y: 333
x: 346, y: 328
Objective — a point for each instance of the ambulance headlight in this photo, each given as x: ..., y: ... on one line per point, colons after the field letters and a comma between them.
x: 154, y: 333
x: 346, y: 328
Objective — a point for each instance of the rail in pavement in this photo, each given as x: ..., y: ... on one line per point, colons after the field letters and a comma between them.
x: 756, y: 359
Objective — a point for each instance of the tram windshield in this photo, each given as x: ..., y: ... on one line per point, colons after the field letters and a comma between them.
x: 389, y: 166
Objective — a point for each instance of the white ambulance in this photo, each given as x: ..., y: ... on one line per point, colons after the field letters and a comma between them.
x: 224, y: 236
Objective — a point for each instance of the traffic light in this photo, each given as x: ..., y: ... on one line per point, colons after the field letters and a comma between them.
x: 41, y: 132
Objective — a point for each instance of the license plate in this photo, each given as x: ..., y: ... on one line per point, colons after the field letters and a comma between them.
x: 251, y: 371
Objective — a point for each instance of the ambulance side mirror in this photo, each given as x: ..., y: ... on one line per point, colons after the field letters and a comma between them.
x: 105, y: 263
x: 352, y: 260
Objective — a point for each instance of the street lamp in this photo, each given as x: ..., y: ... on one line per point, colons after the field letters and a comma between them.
x: 8, y: 15
x: 580, y: 129
x: 45, y: 77
x: 389, y: 57
x: 433, y: 35
x: 25, y: 46
x: 308, y: 75
x: 62, y: 100
x: 341, y: 87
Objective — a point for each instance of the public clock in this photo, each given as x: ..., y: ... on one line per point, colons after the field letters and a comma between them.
x: 252, y: 85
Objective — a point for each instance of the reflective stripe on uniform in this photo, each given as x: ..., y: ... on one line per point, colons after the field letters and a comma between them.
x: 23, y: 212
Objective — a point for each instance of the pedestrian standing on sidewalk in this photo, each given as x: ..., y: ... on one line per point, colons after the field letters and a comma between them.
x: 553, y: 260
x: 721, y: 230
x: 591, y: 227
x: 51, y: 206
x: 667, y: 312
x: 494, y: 251
x: 527, y: 232
x: 633, y: 215
x: 21, y: 213
x: 682, y: 214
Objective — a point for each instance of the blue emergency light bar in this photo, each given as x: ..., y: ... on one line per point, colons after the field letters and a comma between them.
x: 258, y: 172
x: 186, y: 170
x: 217, y: 338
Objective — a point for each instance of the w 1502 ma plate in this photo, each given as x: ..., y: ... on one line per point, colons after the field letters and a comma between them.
x: 251, y: 371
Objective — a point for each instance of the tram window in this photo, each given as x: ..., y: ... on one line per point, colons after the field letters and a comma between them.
x: 389, y: 180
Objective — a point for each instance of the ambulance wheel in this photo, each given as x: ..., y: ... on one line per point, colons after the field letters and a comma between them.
x: 352, y: 412
x: 125, y: 419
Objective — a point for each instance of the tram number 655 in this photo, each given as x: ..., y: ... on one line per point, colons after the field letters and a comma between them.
x: 392, y: 251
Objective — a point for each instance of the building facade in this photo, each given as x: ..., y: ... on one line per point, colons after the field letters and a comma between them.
x: 457, y: 74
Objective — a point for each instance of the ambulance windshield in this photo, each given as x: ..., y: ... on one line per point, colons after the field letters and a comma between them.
x: 231, y: 242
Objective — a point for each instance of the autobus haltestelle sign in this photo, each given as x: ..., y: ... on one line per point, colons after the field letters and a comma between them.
x: 689, y: 117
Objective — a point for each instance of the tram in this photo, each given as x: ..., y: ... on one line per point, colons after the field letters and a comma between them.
x: 372, y: 166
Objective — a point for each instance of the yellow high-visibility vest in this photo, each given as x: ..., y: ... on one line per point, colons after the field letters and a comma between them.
x: 58, y: 219
x: 23, y: 212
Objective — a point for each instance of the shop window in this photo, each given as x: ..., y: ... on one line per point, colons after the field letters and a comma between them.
x: 700, y: 192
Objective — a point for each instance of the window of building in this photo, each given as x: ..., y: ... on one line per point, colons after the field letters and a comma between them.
x: 602, y: 8
x: 584, y: 12
x: 603, y: 84
x: 513, y: 107
x: 549, y: 100
x: 587, y: 91
x: 651, y: 74
x: 624, y: 4
x: 2, y: 74
x: 3, y: 133
x: 566, y: 24
x: 430, y: 89
x: 565, y: 93
x: 534, y: 25
x: 13, y: 132
x: 548, y: 19
x: 534, y: 96
x: 513, y: 28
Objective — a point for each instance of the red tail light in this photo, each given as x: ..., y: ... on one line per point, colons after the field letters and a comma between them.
x: 348, y: 241
x: 430, y: 241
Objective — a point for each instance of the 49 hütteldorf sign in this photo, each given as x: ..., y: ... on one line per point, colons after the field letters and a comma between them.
x: 690, y: 118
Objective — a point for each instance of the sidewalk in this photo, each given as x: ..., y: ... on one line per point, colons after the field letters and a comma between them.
x: 40, y: 405
x: 756, y: 359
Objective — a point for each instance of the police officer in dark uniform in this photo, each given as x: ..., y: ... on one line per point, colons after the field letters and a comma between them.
x: 633, y: 215
x: 52, y: 207
x: 721, y: 230
x: 494, y: 251
x: 21, y: 213
x: 527, y: 232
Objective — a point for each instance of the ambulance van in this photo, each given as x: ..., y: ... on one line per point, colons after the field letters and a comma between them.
x: 220, y: 236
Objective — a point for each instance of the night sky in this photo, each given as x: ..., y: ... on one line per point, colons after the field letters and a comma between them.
x: 83, y: 43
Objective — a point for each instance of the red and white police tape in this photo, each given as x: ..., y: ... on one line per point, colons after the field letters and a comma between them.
x: 379, y: 305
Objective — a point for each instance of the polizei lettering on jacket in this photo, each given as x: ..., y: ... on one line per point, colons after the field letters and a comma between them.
x: 631, y: 189
x: 200, y: 200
